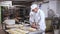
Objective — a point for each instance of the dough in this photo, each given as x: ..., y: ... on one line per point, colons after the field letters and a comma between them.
x: 31, y: 29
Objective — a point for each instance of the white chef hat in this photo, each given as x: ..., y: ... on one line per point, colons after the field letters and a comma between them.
x: 33, y: 6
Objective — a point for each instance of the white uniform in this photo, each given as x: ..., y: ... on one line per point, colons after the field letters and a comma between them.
x: 39, y: 18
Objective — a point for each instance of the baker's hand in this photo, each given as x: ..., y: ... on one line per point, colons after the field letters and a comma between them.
x: 34, y: 25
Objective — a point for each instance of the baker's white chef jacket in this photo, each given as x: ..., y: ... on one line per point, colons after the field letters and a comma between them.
x: 39, y: 18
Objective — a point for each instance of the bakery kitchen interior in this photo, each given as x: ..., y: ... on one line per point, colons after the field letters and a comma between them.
x: 29, y: 16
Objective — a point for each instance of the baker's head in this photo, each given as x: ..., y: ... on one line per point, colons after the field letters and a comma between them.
x: 34, y: 7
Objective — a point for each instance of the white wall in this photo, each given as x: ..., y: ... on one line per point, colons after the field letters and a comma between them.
x: 45, y: 7
x: 53, y: 5
x: 58, y: 7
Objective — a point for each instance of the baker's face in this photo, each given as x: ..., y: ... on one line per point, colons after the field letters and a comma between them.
x: 35, y: 10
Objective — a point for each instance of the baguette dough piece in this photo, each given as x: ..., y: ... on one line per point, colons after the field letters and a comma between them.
x: 21, y: 31
x: 32, y: 29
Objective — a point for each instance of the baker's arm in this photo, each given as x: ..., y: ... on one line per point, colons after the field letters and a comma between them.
x: 31, y: 18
